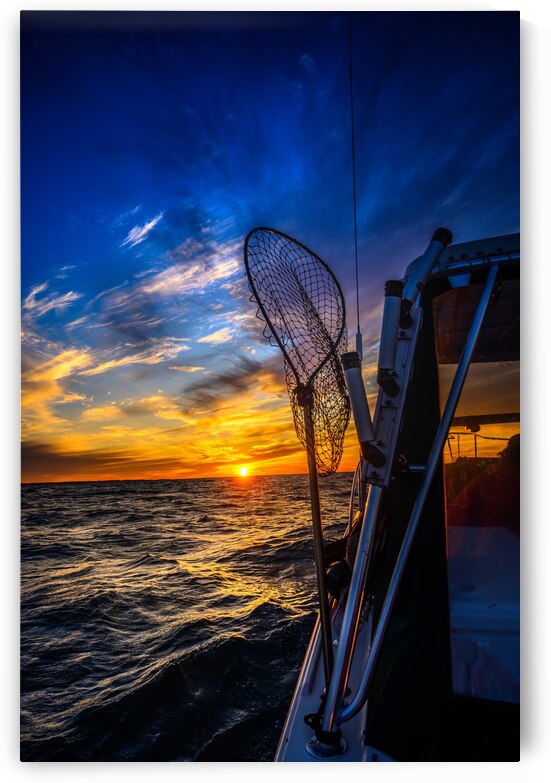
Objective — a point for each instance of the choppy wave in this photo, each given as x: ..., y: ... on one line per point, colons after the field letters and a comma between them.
x: 165, y: 620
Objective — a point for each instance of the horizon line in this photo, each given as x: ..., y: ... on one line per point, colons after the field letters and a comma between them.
x: 178, y: 478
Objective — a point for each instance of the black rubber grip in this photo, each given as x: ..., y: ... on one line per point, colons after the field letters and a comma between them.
x: 394, y: 288
x: 443, y: 235
x: 351, y: 359
x: 372, y: 454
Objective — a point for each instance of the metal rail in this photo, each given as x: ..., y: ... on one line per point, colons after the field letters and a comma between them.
x: 433, y: 463
x: 337, y: 687
x: 474, y: 264
x: 355, y: 490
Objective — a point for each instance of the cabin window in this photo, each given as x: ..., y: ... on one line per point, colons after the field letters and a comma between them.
x: 482, y: 492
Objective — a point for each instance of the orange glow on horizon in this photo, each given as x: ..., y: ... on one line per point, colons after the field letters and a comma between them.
x: 76, y: 429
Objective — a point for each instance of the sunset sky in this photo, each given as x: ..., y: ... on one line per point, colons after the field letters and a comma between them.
x: 152, y: 143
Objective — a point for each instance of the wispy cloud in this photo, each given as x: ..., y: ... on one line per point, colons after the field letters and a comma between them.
x: 177, y: 279
x: 194, y: 268
x: 51, y: 380
x: 40, y: 306
x: 124, y: 216
x: 309, y: 63
x: 45, y: 384
x: 153, y: 352
x: 218, y: 337
x: 184, y: 368
x: 139, y: 233
x: 79, y: 322
x: 62, y: 274
x: 102, y: 413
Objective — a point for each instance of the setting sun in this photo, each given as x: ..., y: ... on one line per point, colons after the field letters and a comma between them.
x: 243, y: 471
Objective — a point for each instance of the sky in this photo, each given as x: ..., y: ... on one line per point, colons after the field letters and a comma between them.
x: 151, y: 144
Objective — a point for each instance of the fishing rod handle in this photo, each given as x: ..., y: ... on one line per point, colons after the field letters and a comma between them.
x: 352, y: 366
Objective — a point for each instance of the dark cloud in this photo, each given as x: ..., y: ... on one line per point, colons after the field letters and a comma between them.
x: 208, y: 392
x: 274, y: 450
x: 41, y: 462
x: 132, y: 316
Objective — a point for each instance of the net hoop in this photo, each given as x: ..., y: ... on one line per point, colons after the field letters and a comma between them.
x: 302, y: 304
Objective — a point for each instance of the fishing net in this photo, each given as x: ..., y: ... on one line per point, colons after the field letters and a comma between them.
x: 303, y: 306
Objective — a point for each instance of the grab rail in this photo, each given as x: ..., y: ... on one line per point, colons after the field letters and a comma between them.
x: 341, y: 669
x: 358, y: 700
x: 356, y: 490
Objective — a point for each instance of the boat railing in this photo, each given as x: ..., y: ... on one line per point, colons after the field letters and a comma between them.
x: 358, y: 700
x: 336, y: 710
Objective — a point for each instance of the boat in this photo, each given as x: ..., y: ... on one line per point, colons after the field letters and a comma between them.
x: 415, y: 654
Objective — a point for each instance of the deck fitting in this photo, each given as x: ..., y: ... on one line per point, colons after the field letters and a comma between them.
x: 324, y: 750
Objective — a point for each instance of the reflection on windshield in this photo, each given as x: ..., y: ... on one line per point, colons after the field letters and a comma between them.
x: 489, y: 496
x: 488, y: 413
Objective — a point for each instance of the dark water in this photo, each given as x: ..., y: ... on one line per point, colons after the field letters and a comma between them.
x: 166, y: 620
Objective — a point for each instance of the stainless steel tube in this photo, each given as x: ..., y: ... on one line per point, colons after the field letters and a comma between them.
x: 352, y: 366
x: 434, y: 460
x: 419, y: 273
x: 355, y: 490
x: 391, y: 322
x: 351, y: 616
x: 461, y: 267
x: 356, y: 390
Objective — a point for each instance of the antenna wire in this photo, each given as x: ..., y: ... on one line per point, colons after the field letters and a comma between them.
x: 358, y: 337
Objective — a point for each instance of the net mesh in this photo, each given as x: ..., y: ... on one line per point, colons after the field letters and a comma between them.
x: 303, y: 306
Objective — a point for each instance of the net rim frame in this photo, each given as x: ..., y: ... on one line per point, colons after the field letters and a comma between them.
x: 265, y: 315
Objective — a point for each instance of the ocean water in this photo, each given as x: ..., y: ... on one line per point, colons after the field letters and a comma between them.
x: 166, y: 620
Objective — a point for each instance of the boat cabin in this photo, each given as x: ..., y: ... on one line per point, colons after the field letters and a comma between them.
x: 429, y: 665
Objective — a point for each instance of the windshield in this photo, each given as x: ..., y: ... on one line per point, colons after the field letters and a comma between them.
x: 482, y: 491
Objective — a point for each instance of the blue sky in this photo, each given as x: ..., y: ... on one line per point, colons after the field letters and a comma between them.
x: 151, y: 145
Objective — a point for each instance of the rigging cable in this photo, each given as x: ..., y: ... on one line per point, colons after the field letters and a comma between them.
x: 359, y: 347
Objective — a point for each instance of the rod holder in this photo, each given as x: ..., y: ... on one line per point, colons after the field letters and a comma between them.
x: 386, y: 372
x: 352, y: 366
x: 420, y: 271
